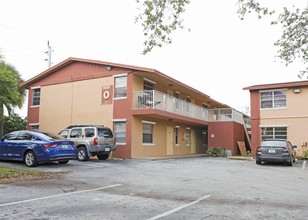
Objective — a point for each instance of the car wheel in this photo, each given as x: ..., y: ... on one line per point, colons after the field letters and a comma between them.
x: 30, y: 159
x: 258, y: 162
x: 291, y: 162
x: 63, y: 161
x: 82, y: 154
x: 102, y: 156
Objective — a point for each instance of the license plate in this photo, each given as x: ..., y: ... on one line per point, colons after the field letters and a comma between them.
x: 271, y: 151
x: 64, y: 146
x: 107, y: 149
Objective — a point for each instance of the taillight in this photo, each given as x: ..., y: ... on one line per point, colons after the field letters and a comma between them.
x: 259, y: 149
x: 95, y: 142
x: 49, y: 145
x: 285, y: 150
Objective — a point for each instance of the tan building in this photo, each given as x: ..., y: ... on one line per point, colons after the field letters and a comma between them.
x: 279, y: 111
x: 151, y: 114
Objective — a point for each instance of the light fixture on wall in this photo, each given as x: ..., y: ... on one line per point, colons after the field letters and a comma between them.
x: 108, y: 68
x: 297, y: 90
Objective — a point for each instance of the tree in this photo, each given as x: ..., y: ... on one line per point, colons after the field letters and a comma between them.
x: 14, y: 122
x: 159, y: 18
x: 10, y: 94
x: 293, y: 44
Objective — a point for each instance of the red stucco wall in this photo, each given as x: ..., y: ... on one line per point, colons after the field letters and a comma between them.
x: 255, y: 120
x: 226, y: 135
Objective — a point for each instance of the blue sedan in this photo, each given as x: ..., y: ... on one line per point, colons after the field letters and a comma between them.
x: 35, y: 147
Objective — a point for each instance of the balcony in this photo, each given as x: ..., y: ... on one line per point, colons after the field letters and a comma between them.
x: 156, y: 100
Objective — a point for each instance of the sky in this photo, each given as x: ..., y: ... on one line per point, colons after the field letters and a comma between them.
x: 219, y: 56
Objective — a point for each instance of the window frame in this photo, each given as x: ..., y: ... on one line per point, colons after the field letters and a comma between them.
x: 115, y: 132
x: 36, y: 97
x: 116, y: 96
x: 273, y: 100
x: 152, y: 133
x: 273, y: 132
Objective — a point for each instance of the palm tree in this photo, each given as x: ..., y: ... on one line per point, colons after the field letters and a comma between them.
x: 10, y: 94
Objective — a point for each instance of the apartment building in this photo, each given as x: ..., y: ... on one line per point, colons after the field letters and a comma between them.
x: 151, y: 114
x: 279, y: 110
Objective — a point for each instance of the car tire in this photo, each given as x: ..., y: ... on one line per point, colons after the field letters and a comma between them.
x: 30, y: 159
x: 259, y: 162
x: 290, y: 163
x: 82, y: 154
x: 63, y: 161
x: 102, y: 156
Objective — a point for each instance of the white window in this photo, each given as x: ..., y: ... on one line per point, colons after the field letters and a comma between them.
x: 176, y: 130
x: 119, y: 131
x: 273, y: 99
x: 275, y: 132
x: 36, y: 96
x: 120, y: 86
x: 147, y: 132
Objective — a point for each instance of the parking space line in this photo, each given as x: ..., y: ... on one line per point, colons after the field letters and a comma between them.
x: 179, y: 208
x: 304, y: 164
x: 58, y: 195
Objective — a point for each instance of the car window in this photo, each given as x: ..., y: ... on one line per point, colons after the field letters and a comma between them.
x: 89, y: 132
x: 64, y: 133
x: 103, y: 132
x: 273, y: 143
x: 76, y: 133
x: 49, y: 136
x: 26, y: 136
x: 10, y: 136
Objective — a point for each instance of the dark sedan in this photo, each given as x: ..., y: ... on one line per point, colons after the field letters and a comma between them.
x: 276, y: 150
x: 33, y: 147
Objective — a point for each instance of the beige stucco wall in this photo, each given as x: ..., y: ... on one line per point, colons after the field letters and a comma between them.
x: 159, y: 146
x: 74, y: 103
x: 294, y: 116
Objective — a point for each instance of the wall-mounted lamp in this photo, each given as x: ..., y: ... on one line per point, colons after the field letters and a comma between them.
x: 297, y: 90
x: 108, y: 68
x: 170, y: 85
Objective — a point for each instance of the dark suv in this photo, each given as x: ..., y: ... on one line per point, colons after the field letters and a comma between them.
x: 91, y: 140
x: 276, y: 150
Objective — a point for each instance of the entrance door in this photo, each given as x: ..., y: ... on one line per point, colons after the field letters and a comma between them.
x: 169, y: 140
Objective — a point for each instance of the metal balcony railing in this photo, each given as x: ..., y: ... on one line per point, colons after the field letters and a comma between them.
x: 152, y: 99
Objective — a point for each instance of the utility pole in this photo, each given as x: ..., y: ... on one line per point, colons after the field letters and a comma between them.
x: 48, y: 54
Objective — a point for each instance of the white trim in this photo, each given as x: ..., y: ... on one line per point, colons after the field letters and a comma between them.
x: 34, y: 124
x: 149, y: 80
x: 273, y: 126
x: 120, y: 143
x: 148, y: 122
x: 35, y: 87
x: 120, y: 75
x: 119, y: 120
x: 148, y: 144
x: 34, y: 106
x: 119, y: 98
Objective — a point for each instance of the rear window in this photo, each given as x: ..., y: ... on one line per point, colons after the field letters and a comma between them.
x: 103, y: 132
x: 273, y: 144
x: 50, y: 136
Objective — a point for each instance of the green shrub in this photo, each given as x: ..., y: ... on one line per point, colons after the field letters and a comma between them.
x: 305, y: 154
x: 217, y: 152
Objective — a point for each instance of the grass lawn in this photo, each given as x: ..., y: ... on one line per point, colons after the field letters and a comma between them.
x: 9, y: 175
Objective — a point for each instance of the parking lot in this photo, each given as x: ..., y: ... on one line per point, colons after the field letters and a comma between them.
x: 183, y: 188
